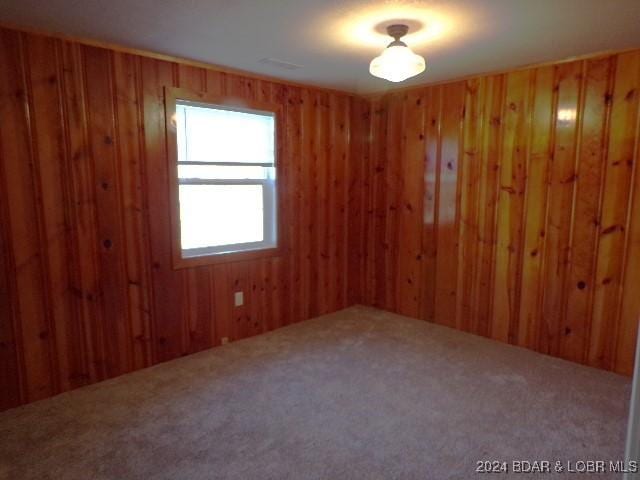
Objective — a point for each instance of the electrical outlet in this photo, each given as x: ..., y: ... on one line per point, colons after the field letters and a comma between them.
x: 224, y: 340
x: 238, y: 298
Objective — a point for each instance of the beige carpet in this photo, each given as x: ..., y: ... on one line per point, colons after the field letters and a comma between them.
x: 359, y: 394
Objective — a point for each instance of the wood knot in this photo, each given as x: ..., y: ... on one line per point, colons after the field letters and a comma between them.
x: 630, y: 95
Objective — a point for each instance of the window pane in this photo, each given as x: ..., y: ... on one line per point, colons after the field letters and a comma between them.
x: 215, y: 135
x: 216, y: 172
x: 214, y: 215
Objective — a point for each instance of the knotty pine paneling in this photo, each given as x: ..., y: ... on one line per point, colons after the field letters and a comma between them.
x: 87, y: 288
x: 505, y: 205
x: 508, y: 206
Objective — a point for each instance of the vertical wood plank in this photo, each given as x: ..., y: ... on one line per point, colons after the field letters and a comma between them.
x: 11, y: 393
x: 240, y: 282
x: 377, y: 270
x: 49, y: 148
x: 22, y: 194
x: 628, y: 329
x: 470, y: 174
x: 339, y: 110
x: 562, y: 181
x: 448, y: 212
x: 102, y: 125
x: 168, y: 285
x: 488, y: 201
x: 408, y: 291
x: 220, y: 284
x: 306, y: 232
x: 576, y: 320
x: 199, y: 323
x: 540, y: 150
x: 83, y: 237
x: 321, y: 208
x: 292, y: 201
x: 512, y: 177
x: 432, y: 169
x: 615, y: 201
x: 134, y: 205
x: 358, y: 195
x: 393, y: 184
x: 257, y: 307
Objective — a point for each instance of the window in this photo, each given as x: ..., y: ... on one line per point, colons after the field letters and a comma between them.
x: 225, y: 171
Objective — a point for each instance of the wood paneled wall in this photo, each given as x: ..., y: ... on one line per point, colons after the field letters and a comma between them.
x: 87, y: 289
x: 504, y: 205
x: 509, y: 206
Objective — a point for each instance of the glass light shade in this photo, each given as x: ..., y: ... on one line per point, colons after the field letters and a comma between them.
x: 397, y: 63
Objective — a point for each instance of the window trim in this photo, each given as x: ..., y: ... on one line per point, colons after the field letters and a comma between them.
x: 173, y: 95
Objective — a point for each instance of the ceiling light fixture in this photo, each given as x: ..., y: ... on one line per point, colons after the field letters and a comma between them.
x: 397, y: 62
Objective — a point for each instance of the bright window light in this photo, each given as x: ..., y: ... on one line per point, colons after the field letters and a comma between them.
x: 227, y: 180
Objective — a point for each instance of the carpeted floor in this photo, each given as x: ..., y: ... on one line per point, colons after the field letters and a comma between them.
x: 359, y: 394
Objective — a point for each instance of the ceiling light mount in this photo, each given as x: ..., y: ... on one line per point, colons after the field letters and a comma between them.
x: 397, y: 62
x: 397, y: 31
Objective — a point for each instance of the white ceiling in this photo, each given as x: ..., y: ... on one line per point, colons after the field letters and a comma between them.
x: 334, y: 40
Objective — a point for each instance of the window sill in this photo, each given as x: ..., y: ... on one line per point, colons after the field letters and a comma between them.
x: 224, y: 257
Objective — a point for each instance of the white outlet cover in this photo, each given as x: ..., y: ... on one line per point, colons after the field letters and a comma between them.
x: 238, y: 299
